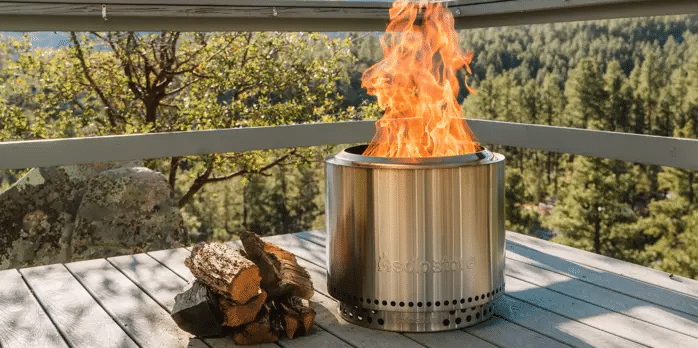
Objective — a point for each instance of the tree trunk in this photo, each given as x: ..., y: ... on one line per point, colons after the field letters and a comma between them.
x: 691, y: 194
x: 597, y: 233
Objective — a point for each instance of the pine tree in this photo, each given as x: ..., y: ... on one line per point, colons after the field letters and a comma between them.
x: 585, y: 97
x: 592, y: 206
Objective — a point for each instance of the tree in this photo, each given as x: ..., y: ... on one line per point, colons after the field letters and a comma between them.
x: 592, y: 208
x: 125, y: 82
x: 585, y: 97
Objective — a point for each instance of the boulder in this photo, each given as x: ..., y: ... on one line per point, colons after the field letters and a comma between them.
x: 38, y: 211
x: 126, y: 211
x: 38, y: 214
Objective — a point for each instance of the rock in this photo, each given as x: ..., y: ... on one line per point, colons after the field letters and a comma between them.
x: 127, y: 211
x: 37, y: 213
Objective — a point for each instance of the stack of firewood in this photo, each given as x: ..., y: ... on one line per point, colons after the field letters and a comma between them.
x: 257, y: 294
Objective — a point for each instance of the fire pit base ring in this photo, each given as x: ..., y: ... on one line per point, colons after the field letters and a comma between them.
x: 453, y: 316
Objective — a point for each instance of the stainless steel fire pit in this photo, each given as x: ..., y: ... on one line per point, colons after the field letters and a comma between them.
x: 415, y: 245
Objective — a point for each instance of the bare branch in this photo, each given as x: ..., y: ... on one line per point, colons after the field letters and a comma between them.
x: 111, y: 112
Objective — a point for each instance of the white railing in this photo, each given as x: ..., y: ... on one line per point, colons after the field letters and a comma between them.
x: 303, y: 15
x: 664, y: 151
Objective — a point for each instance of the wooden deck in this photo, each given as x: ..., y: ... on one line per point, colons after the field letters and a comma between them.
x: 555, y: 297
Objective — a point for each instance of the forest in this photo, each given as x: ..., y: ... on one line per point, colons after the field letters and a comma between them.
x: 625, y: 75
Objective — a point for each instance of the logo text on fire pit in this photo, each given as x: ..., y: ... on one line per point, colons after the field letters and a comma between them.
x: 416, y: 266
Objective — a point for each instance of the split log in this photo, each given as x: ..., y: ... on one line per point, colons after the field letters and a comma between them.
x: 196, y: 311
x: 281, y: 273
x: 238, y: 314
x: 298, y: 317
x: 225, y: 270
x: 258, y: 331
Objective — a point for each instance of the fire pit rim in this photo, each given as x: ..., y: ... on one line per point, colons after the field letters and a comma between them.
x: 352, y: 156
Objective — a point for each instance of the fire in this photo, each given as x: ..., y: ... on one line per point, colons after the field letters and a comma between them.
x: 416, y: 83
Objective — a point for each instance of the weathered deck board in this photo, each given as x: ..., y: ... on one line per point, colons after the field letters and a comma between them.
x: 23, y: 323
x: 676, y: 301
x: 83, y: 322
x: 640, y: 324
x: 554, y: 298
x: 147, y: 322
x: 455, y: 338
x: 611, y: 267
x: 617, y: 302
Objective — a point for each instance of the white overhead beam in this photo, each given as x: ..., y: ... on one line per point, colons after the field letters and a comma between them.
x: 288, y: 15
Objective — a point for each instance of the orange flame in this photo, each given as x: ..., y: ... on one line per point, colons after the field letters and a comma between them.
x: 417, y: 85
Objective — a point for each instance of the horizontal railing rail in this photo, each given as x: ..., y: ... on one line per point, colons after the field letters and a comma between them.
x: 304, y: 15
x: 647, y: 149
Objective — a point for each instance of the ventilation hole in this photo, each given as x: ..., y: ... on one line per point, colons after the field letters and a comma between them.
x: 344, y: 311
x: 477, y: 315
x: 488, y: 295
x: 482, y: 296
x: 392, y: 303
x: 446, y: 322
x: 368, y: 300
x: 451, y: 312
x: 369, y: 320
x: 361, y: 299
x: 428, y: 304
x: 354, y: 297
x: 468, y: 318
x: 477, y: 297
x: 380, y: 321
x: 462, y: 301
x: 458, y: 321
x: 472, y: 308
x: 463, y: 310
x: 438, y: 303
x: 351, y: 315
x: 385, y: 303
x: 455, y: 302
x: 411, y: 304
x: 359, y: 318
x: 375, y: 302
x: 470, y: 299
x: 484, y: 312
x: 419, y: 304
x: 402, y: 304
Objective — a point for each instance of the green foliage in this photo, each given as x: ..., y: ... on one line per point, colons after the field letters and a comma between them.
x: 626, y: 75
x: 125, y: 83
x: 591, y: 209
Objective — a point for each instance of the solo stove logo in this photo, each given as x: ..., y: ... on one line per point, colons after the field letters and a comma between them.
x: 414, y: 266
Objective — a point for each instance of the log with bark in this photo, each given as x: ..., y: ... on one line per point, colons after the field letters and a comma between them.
x: 225, y: 270
x: 281, y: 273
x: 259, y: 294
